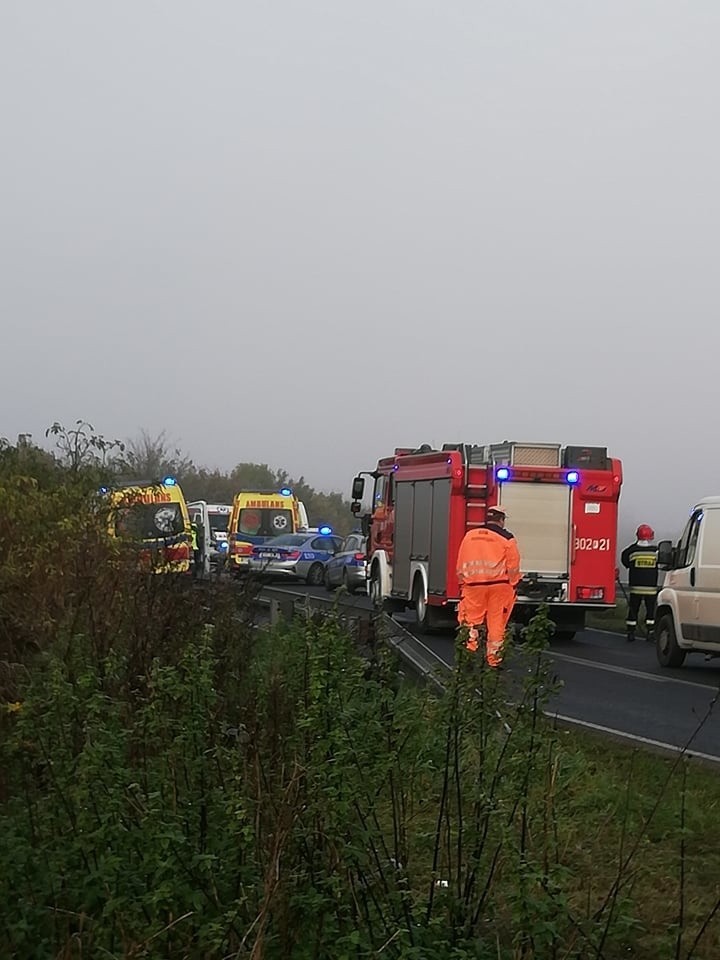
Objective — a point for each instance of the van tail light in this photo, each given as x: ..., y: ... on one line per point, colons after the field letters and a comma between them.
x: 177, y: 553
x: 591, y: 593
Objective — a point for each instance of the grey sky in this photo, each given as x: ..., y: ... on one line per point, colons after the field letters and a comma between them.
x: 305, y: 233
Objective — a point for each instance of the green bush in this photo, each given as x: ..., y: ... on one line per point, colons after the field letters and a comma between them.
x: 210, y: 790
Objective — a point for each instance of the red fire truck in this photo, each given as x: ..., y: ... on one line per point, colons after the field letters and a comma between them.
x: 562, y: 507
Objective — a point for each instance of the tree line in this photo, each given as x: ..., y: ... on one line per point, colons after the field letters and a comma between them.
x: 81, y: 450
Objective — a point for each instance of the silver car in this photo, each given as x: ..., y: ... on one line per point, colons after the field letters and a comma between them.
x: 295, y: 556
x: 348, y: 568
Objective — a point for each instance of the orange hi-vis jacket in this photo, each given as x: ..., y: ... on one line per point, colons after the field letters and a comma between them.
x: 488, y: 555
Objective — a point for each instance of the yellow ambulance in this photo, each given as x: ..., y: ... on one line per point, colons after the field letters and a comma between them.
x: 258, y: 516
x: 153, y: 517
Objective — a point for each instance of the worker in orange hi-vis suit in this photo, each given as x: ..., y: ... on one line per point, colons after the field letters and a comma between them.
x: 488, y: 569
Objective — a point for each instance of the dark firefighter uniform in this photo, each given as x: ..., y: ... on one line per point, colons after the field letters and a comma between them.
x: 640, y: 559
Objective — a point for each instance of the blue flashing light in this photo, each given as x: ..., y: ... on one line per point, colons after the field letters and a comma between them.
x: 325, y: 531
x: 502, y: 473
x: 103, y: 490
x: 573, y: 477
x: 286, y: 492
x: 169, y: 482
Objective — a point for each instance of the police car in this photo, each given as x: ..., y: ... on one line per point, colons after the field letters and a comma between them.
x: 296, y: 556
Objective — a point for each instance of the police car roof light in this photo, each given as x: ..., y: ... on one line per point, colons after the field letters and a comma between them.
x: 169, y: 482
x: 573, y: 477
x: 502, y: 473
x: 325, y: 531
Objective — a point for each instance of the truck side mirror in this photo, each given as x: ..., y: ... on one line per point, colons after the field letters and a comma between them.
x: 355, y: 508
x: 665, y: 555
x: 358, y: 488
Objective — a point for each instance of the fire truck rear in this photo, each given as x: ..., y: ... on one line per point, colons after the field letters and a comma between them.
x: 562, y: 507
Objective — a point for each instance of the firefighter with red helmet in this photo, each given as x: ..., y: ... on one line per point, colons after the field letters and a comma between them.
x: 640, y: 559
x: 488, y: 570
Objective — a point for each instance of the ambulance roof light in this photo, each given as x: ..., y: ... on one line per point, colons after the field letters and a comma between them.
x: 286, y: 492
x: 502, y: 473
x: 169, y: 482
x: 573, y: 477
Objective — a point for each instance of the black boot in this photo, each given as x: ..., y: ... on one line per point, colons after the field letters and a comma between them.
x: 630, y: 637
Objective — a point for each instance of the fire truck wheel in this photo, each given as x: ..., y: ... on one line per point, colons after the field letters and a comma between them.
x: 375, y: 590
x: 315, y: 576
x: 424, y: 613
x: 669, y: 654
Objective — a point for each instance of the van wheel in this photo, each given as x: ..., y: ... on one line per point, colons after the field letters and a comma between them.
x: 424, y: 613
x: 669, y: 654
x: 315, y: 576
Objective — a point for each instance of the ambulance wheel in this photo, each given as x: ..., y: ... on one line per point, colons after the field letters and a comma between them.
x: 316, y: 575
x: 668, y: 653
x: 425, y: 614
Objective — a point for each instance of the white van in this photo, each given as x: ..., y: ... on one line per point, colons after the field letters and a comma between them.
x: 688, y: 613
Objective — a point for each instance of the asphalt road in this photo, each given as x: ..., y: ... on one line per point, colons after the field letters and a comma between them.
x: 616, y: 688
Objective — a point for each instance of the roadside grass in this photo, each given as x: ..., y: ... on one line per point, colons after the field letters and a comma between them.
x: 613, y: 620
x: 203, y: 789
x: 621, y: 799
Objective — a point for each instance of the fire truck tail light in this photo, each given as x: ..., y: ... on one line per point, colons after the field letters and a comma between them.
x: 591, y: 593
x: 502, y: 473
x: 573, y: 477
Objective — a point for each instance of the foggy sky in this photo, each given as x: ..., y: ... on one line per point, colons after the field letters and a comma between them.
x: 307, y: 232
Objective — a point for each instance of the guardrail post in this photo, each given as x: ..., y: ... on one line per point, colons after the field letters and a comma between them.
x: 281, y: 610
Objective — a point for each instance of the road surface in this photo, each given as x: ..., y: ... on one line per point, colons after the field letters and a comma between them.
x: 611, y: 686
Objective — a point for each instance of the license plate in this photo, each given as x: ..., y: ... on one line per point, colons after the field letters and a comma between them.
x: 269, y: 555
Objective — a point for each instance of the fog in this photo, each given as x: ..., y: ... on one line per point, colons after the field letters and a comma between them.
x: 305, y: 234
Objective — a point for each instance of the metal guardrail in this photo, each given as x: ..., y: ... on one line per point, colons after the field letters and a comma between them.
x: 416, y: 656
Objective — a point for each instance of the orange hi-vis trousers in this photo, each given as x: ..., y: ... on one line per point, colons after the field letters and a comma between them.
x: 491, y: 603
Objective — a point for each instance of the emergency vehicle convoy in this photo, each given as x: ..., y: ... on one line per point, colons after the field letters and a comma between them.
x: 153, y: 516
x: 562, y: 508
x: 256, y: 517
